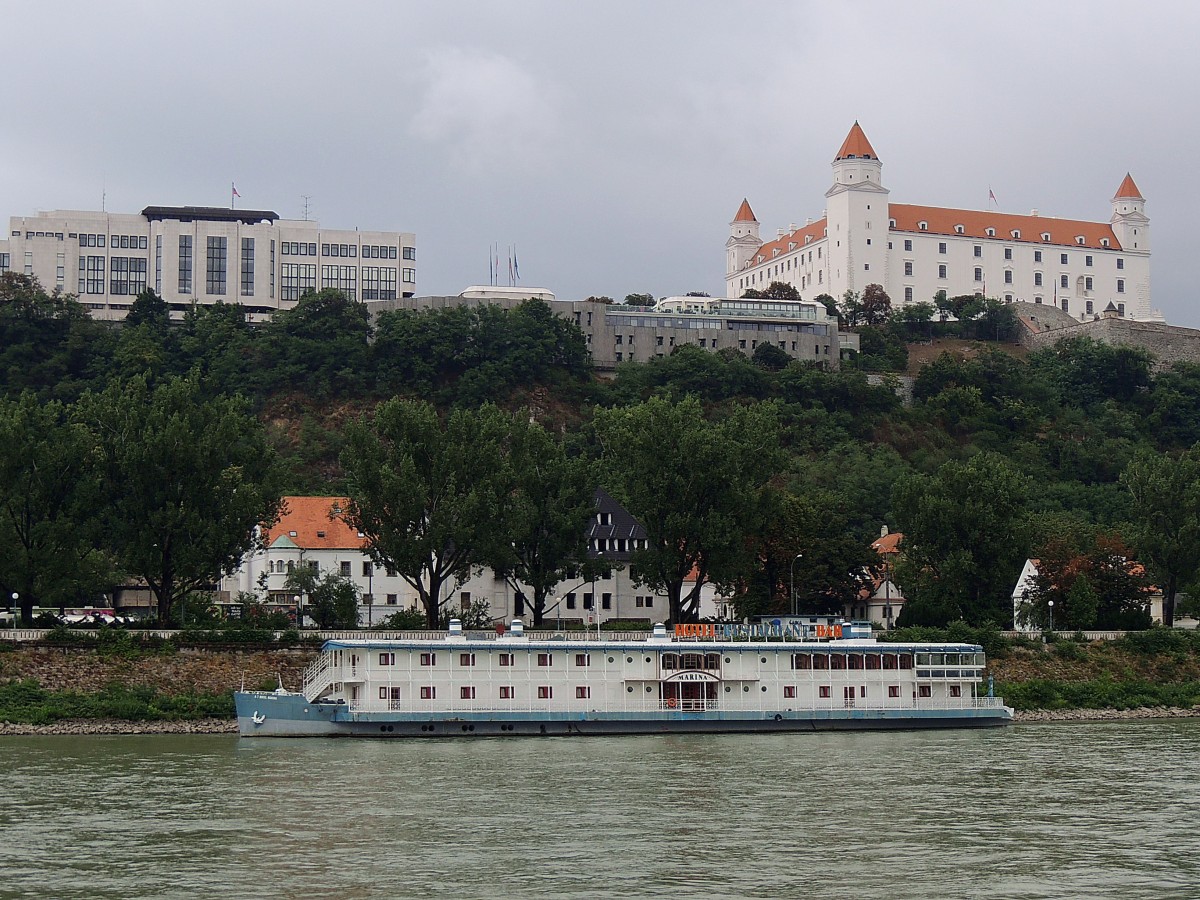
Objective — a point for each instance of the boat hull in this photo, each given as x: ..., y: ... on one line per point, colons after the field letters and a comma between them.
x: 291, y: 715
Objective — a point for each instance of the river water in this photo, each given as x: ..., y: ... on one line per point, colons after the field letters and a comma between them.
x: 1030, y: 811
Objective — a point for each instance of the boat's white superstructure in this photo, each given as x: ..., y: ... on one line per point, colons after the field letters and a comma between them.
x: 695, y: 680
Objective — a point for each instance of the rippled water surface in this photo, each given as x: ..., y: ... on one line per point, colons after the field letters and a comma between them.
x: 1031, y: 811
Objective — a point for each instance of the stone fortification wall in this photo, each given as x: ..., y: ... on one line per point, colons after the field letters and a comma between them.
x: 1168, y: 344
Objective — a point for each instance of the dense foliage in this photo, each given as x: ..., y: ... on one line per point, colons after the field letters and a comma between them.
x: 773, y: 470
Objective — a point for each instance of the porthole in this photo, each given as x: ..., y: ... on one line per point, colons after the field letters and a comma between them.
x: 629, y: 659
x: 648, y: 689
x: 728, y: 689
x: 746, y: 689
x: 764, y: 688
x: 648, y: 659
x: 727, y: 659
x: 762, y: 659
x: 383, y: 728
x: 630, y: 689
x: 610, y: 659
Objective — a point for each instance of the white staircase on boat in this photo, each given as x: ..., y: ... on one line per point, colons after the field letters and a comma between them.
x: 318, y: 677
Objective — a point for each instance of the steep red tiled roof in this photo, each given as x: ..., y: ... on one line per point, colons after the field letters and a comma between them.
x: 309, y: 519
x: 856, y: 145
x: 889, y: 543
x: 1062, y: 232
x: 745, y: 213
x: 766, y: 252
x: 1128, y: 190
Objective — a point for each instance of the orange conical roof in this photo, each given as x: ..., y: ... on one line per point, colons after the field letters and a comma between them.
x: 856, y: 145
x: 745, y: 213
x: 1128, y: 190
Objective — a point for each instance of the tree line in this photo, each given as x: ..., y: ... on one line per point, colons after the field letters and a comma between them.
x: 161, y: 441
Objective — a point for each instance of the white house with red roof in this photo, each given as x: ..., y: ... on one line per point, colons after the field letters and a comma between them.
x: 916, y: 251
x: 312, y: 532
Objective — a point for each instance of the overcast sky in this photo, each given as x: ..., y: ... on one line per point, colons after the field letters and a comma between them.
x: 609, y: 142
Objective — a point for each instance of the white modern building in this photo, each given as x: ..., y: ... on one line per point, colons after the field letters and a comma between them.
x: 915, y: 251
x: 192, y: 254
x: 312, y: 532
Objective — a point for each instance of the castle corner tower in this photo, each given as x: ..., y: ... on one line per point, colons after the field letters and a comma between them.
x: 857, y: 212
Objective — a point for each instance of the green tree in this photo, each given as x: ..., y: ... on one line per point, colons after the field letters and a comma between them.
x: 850, y: 310
x: 47, y: 499
x: 432, y: 498
x: 694, y: 484
x: 964, y: 538
x: 332, y: 599
x: 1166, y: 518
x: 876, y: 305
x: 639, y: 300
x: 185, y: 482
x: 551, y: 506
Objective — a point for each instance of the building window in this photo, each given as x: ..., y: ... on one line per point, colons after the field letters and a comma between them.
x: 392, y: 599
x: 1037, y: 256
x: 429, y: 692
x: 571, y: 601
x: 907, y: 247
x: 545, y: 692
x: 297, y: 279
x: 429, y: 659
x: 942, y: 247
x: 1120, y: 263
x: 942, y: 271
x: 1037, y: 279
x: 1062, y: 259
x: 506, y: 659
x: 908, y: 294
x: 408, y: 276
x: 582, y: 659
x: 344, y: 568
x: 583, y: 693
x: 1087, y: 283
x: 545, y: 659
x: 91, y: 275
x: 1120, y: 285
x: 367, y: 569
x: 908, y: 270
x: 1008, y: 276
x: 978, y: 273
x: 1063, y: 282
x: 247, y: 267
x: 410, y: 253
x: 466, y: 659
x: 185, y: 264
x: 1087, y: 261
x: 387, y: 659
x: 606, y: 601
x: 789, y: 691
x: 216, y: 267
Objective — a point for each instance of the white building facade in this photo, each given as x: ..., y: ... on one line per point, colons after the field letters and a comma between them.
x: 313, y: 533
x: 916, y: 251
x: 189, y: 254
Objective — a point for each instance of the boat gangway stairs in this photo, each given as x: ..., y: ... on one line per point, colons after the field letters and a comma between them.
x: 318, y: 677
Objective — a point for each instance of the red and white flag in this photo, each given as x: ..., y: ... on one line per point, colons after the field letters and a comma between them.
x: 234, y: 187
x: 992, y: 196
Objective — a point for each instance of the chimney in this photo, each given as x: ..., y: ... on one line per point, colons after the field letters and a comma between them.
x: 1033, y: 212
x: 780, y: 232
x: 883, y: 532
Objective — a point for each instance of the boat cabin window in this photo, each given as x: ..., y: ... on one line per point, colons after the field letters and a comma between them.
x: 507, y: 692
x: 466, y: 692
x: 906, y: 661
x: 429, y: 659
x: 855, y: 661
x: 801, y: 661
x: 820, y: 661
x: 837, y: 660
x: 889, y: 660
x: 955, y: 690
x: 545, y: 659
x: 583, y: 659
x: 823, y: 690
x: 506, y: 659
x: 924, y: 691
x: 872, y: 661
x: 428, y: 692
x: 691, y: 660
x: 670, y: 661
x: 545, y: 692
x: 789, y: 691
x: 712, y: 660
x: 466, y: 659
x: 387, y: 659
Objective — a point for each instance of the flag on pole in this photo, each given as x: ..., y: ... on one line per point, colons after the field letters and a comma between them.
x: 992, y: 196
x: 491, y: 272
x: 516, y: 267
x: 235, y: 191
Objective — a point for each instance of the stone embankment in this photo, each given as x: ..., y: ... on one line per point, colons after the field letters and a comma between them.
x: 117, y: 726
x: 1105, y: 715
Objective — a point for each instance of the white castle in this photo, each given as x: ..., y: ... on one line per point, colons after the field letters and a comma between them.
x: 916, y: 251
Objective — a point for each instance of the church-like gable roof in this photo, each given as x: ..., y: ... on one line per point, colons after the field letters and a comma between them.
x: 1128, y: 190
x: 745, y: 213
x: 1004, y: 226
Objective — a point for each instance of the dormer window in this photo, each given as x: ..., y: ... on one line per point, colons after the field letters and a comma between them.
x: 990, y: 232
x: 807, y: 238
x: 774, y: 253
x: 791, y: 246
x: 1016, y: 233
x: 1045, y: 235
x: 891, y: 223
x: 924, y: 226
x: 1080, y: 239
x: 1103, y: 242
x: 320, y: 534
x: 959, y: 229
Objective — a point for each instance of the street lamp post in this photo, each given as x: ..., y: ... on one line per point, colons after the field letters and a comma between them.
x: 792, y: 582
x: 1051, y: 604
x: 16, y: 598
x: 299, y: 611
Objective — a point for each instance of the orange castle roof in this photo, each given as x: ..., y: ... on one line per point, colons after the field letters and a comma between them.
x: 306, y: 522
x: 1128, y: 190
x: 814, y: 232
x: 745, y: 213
x: 856, y: 145
x: 976, y: 223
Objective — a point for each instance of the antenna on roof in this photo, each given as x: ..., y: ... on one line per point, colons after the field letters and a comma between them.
x: 306, y: 197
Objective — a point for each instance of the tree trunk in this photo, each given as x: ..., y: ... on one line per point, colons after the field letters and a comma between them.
x: 1169, y: 603
x: 429, y: 598
x: 26, y: 610
x: 163, y: 596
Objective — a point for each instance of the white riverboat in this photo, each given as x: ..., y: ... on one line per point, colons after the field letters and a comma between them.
x: 699, y: 678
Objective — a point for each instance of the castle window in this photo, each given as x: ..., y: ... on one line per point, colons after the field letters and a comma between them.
x: 1008, y: 252
x: 990, y: 232
x: 958, y: 229
x: 891, y: 223
x: 1080, y: 239
x: 1063, y: 281
x: 1121, y: 310
x: 1062, y: 259
x: 1037, y: 279
x: 1087, y: 283
x: 1120, y: 263
x: 908, y: 268
x: 941, y: 271
x: 1089, y: 307
x: 1103, y: 242
x: 1045, y: 235
x: 908, y: 246
x: 978, y: 273
x: 942, y: 247
x: 924, y: 226
x: 908, y: 295
x: 1037, y: 256
x: 1008, y: 276
x: 1087, y: 261
x: 1016, y: 233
